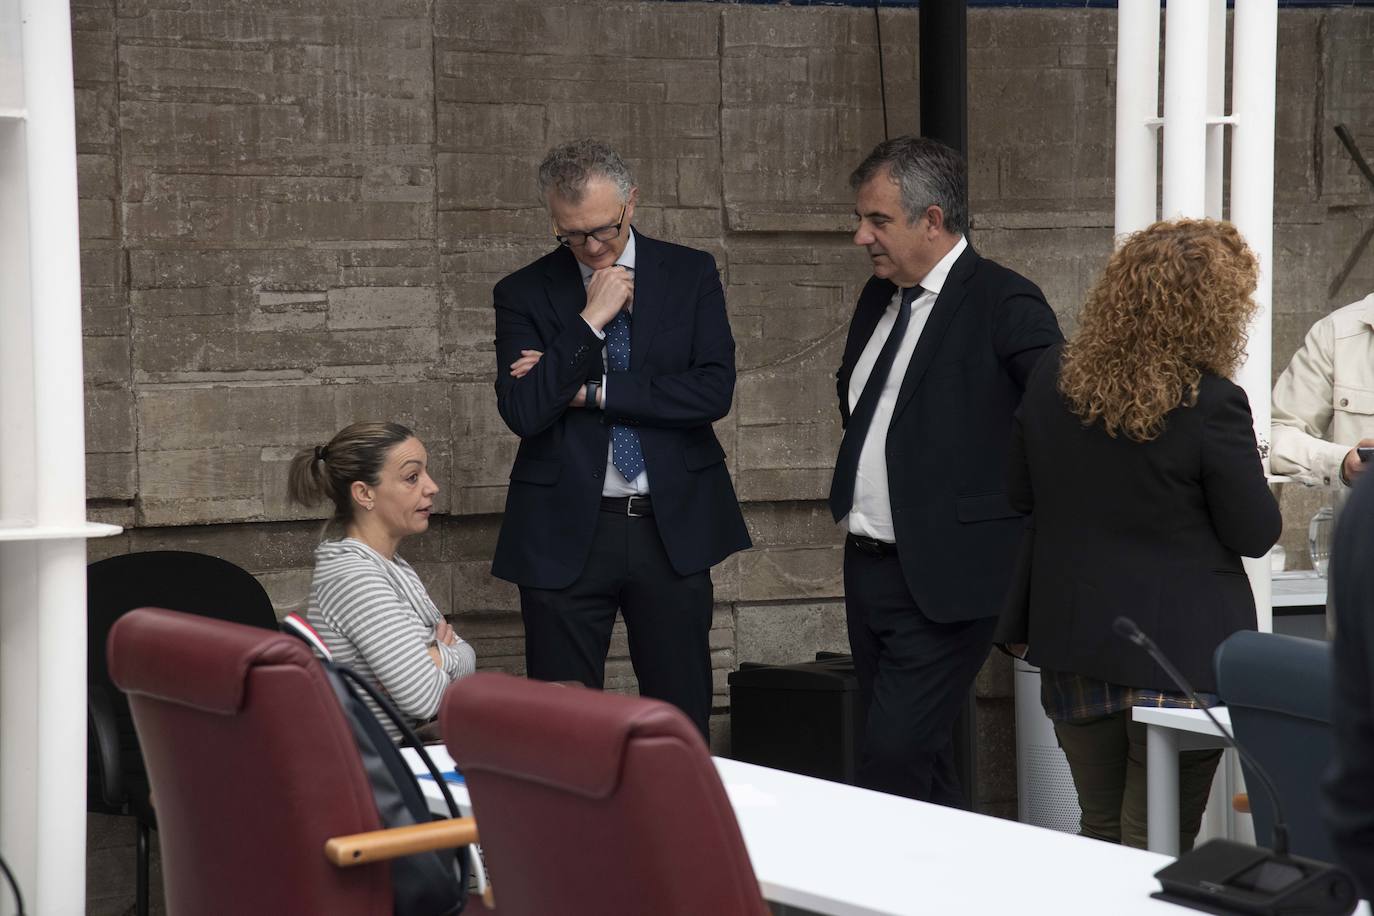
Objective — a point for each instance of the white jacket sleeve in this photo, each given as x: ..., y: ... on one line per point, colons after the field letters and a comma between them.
x: 1302, y: 412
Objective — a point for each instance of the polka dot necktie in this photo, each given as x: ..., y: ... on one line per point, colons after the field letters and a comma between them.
x: 626, y: 454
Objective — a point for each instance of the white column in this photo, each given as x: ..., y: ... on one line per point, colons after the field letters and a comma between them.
x: 42, y: 534
x: 1186, y: 45
x: 1137, y: 113
x: 1216, y: 106
x: 1253, y: 85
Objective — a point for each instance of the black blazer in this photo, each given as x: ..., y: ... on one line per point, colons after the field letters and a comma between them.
x: 681, y: 379
x: 1349, y: 808
x: 1150, y: 530
x: 947, y: 443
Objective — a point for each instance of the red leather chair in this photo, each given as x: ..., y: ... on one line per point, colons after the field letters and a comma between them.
x: 253, y: 768
x: 597, y: 804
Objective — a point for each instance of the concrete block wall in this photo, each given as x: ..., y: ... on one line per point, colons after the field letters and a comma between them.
x: 293, y: 213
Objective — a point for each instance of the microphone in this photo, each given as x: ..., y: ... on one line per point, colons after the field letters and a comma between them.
x: 1126, y: 628
x: 1225, y: 876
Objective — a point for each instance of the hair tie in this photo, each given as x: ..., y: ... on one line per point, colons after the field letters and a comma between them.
x: 321, y: 452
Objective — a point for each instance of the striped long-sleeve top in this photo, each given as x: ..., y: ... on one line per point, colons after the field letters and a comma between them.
x: 376, y: 618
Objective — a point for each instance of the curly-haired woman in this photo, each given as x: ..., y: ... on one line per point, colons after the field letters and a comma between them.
x: 1137, y: 456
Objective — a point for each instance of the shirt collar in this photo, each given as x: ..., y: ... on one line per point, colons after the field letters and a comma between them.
x: 626, y: 259
x: 935, y: 280
x: 1368, y: 316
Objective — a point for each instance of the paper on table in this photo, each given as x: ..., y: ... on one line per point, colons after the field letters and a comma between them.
x: 443, y: 762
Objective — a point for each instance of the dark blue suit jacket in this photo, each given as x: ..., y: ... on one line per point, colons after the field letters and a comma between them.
x: 947, y: 444
x: 681, y: 379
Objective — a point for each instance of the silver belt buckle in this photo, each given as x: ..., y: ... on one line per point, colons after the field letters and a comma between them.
x: 630, y: 507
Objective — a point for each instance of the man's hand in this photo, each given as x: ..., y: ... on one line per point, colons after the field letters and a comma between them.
x: 1353, y: 467
x: 609, y: 291
x: 443, y: 633
x: 527, y: 361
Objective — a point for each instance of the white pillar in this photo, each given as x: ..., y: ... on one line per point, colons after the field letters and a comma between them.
x: 1253, y: 85
x: 1186, y: 45
x: 1216, y: 106
x: 1137, y: 114
x: 43, y: 481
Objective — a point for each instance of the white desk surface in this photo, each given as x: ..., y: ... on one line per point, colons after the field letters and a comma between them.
x: 1297, y: 588
x: 1184, y: 720
x: 889, y: 856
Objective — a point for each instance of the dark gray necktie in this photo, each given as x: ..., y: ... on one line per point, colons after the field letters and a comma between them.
x: 847, y: 463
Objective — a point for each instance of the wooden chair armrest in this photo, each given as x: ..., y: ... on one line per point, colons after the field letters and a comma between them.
x: 381, y: 845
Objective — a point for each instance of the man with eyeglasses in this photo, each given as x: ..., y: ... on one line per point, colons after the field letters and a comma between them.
x: 614, y: 357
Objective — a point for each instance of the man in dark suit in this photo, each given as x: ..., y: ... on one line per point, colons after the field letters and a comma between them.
x: 1349, y: 807
x: 614, y: 356
x: 938, y: 352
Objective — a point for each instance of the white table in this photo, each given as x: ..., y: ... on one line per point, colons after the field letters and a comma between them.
x: 891, y: 856
x: 1298, y: 588
x: 1169, y: 731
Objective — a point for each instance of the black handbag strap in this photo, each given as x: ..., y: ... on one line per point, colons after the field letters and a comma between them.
x: 408, y: 735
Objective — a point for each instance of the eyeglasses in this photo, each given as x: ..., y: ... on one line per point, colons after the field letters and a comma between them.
x: 604, y: 234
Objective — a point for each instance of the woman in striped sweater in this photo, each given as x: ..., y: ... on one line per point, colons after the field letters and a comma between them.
x: 366, y: 602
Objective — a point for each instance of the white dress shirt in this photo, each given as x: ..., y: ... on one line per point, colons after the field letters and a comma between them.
x: 616, y: 484
x: 871, y: 514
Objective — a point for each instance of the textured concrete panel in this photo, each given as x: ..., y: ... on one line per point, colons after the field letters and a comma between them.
x: 293, y: 214
x: 787, y: 634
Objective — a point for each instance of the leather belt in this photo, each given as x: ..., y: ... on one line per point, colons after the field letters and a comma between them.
x: 631, y: 506
x: 872, y: 546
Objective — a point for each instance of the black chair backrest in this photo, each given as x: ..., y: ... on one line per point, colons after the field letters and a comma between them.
x: 178, y: 580
x: 1278, y: 689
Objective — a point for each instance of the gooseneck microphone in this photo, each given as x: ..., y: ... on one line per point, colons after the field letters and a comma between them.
x: 1223, y: 876
x: 1126, y: 628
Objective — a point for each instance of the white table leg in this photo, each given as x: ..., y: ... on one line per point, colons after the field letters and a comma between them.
x: 1161, y: 776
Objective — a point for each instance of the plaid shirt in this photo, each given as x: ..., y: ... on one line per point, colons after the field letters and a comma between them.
x: 1071, y: 697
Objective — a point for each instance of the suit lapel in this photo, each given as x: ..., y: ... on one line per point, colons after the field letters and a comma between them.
x: 872, y: 303
x: 650, y: 302
x: 563, y: 283
x: 941, y: 314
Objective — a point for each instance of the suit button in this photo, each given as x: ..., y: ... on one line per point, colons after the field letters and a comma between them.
x: 596, y: 475
x: 1345, y: 402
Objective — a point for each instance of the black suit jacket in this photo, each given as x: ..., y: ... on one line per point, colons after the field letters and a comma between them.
x: 1150, y: 530
x: 681, y: 379
x: 1349, y: 807
x: 947, y: 443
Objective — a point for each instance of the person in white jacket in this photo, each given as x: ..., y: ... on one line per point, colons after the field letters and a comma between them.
x: 1324, y: 401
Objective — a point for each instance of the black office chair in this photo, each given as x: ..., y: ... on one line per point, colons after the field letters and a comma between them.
x: 116, y: 781
x: 1278, y: 689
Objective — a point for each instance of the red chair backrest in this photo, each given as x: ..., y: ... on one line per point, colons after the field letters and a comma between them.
x: 593, y: 803
x: 252, y: 766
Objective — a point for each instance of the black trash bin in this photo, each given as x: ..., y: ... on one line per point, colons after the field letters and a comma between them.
x: 804, y: 718
x: 809, y: 719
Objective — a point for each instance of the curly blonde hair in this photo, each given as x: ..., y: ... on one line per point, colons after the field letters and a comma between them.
x: 1172, y: 303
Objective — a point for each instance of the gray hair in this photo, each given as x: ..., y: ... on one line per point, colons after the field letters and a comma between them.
x: 929, y: 174
x: 566, y: 168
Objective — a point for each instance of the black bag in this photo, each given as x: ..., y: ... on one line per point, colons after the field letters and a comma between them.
x: 426, y: 883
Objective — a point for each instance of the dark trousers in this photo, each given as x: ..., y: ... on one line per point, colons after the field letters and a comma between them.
x: 915, y: 674
x: 667, y: 619
x: 1106, y: 755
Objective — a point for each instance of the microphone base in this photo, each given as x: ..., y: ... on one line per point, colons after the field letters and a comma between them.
x: 1226, y: 877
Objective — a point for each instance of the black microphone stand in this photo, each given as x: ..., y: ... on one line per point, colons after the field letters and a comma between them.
x: 1222, y: 876
x: 1126, y: 627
